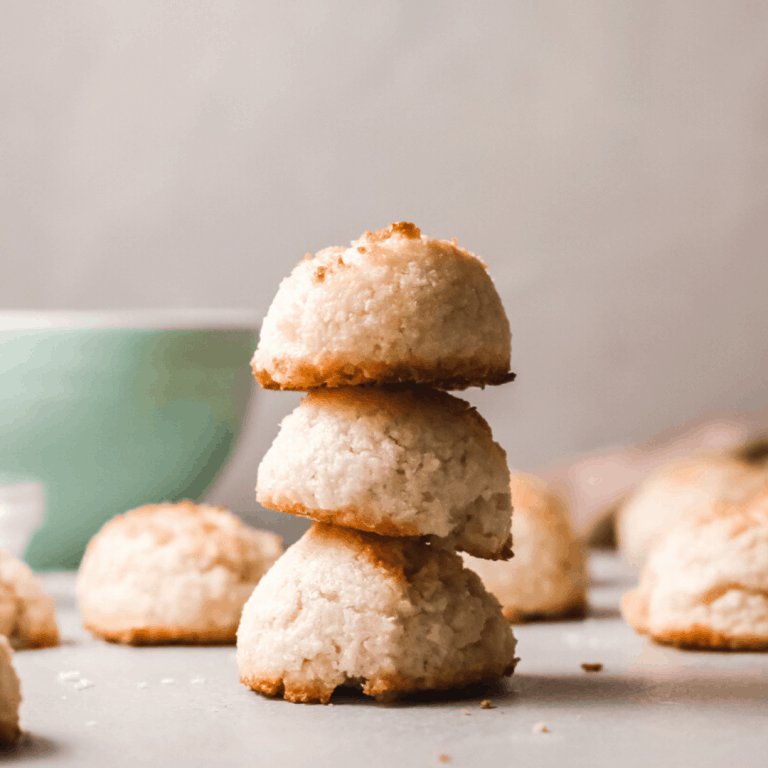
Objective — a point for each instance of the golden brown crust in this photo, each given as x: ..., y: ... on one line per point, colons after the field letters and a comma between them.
x: 166, y: 635
x: 403, y: 228
x: 634, y: 606
x: 10, y: 733
x: 699, y: 636
x: 383, y: 687
x: 337, y: 371
x: 576, y: 609
x: 276, y: 688
x: 47, y: 639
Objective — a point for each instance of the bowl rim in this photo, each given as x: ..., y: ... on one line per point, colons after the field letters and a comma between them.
x: 167, y: 319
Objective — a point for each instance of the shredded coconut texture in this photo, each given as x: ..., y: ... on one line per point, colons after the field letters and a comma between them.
x: 394, y: 307
x: 172, y: 573
x: 546, y: 577
x: 27, y: 613
x: 391, y: 616
x: 705, y: 584
x: 399, y: 463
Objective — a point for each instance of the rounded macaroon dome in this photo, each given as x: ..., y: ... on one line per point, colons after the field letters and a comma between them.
x: 684, y: 486
x: 27, y: 612
x: 397, y: 463
x: 546, y: 579
x: 172, y: 573
x: 394, y: 307
x: 705, y: 583
x: 389, y: 615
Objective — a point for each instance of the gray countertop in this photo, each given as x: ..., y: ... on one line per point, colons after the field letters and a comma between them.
x: 649, y: 706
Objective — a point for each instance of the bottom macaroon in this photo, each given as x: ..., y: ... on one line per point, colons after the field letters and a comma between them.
x: 388, y: 615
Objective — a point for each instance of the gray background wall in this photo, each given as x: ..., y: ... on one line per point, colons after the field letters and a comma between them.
x: 609, y: 160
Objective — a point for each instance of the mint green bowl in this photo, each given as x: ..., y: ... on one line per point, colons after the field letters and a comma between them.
x: 113, y: 410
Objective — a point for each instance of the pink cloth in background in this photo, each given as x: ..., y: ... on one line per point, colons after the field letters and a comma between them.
x: 594, y: 482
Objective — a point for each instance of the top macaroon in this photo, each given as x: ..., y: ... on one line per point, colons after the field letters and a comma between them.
x: 396, y: 307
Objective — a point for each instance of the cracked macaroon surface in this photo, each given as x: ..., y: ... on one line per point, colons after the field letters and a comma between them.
x: 705, y: 583
x: 394, y: 307
x: 389, y: 615
x: 27, y: 612
x: 546, y: 578
x: 172, y: 573
x: 398, y: 463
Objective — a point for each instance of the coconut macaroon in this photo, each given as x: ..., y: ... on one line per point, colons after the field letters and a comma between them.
x: 684, y: 486
x: 705, y: 583
x: 27, y: 612
x: 394, y: 307
x: 10, y: 696
x: 546, y: 578
x: 166, y: 573
x: 398, y: 463
x: 389, y: 615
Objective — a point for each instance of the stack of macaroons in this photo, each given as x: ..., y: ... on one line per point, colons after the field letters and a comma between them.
x: 396, y: 473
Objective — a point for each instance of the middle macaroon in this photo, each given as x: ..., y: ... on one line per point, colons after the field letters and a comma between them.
x: 397, y: 462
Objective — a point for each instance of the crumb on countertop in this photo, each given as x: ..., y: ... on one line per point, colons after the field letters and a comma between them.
x: 444, y: 758
x: 464, y: 711
x: 486, y: 704
x: 540, y: 728
x: 592, y: 667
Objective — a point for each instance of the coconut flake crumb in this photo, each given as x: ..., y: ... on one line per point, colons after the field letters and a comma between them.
x: 197, y: 680
x: 82, y: 684
x: 540, y: 728
x: 592, y: 667
x: 486, y: 704
x: 464, y: 711
x: 91, y: 722
x: 168, y: 681
x: 69, y: 675
x: 142, y: 685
